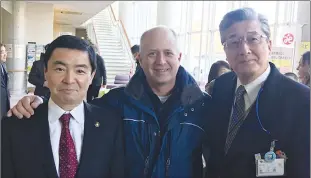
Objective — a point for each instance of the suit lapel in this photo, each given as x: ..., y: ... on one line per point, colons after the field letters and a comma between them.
x: 89, y: 140
x: 269, y: 101
x: 45, y: 144
x: 5, y: 74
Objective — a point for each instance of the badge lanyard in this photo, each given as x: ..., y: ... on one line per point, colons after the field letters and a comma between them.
x: 257, y: 112
x: 270, y: 155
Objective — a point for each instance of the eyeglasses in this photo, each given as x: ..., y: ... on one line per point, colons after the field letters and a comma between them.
x: 250, y: 40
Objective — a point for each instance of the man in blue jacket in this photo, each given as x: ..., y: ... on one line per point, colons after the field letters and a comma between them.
x: 162, y: 107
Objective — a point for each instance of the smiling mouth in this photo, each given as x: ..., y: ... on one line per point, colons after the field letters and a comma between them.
x: 161, y: 70
x: 246, y: 61
x: 67, y: 90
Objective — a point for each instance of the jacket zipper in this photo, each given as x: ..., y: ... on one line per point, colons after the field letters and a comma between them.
x: 146, y: 166
x: 168, y: 162
x: 167, y: 156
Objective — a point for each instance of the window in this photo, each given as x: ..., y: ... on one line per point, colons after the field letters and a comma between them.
x: 220, y: 11
x: 266, y: 8
x: 206, y: 16
x: 204, y: 44
x: 195, y: 44
x: 282, y: 12
x: 218, y: 47
x: 183, y: 17
x: 197, y: 15
x: 144, y: 18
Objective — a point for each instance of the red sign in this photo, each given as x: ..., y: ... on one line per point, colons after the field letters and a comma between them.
x: 288, y: 38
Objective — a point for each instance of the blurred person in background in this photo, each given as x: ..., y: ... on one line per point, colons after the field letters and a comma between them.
x: 99, y: 80
x: 135, y: 53
x: 292, y: 76
x: 304, y: 69
x: 218, y: 68
x: 5, y: 95
x: 36, y: 77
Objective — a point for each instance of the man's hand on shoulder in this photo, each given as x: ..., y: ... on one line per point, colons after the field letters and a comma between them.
x: 25, y: 107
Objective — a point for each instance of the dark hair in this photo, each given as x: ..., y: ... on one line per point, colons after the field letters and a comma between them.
x: 135, y: 49
x: 306, y: 58
x: 240, y: 15
x: 71, y: 42
x: 46, y: 46
x: 291, y: 74
x: 1, y: 44
x: 213, y: 73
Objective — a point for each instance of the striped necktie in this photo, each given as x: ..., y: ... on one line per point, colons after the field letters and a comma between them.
x: 237, y: 116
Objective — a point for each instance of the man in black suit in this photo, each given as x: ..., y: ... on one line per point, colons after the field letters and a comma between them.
x: 135, y: 53
x: 5, y: 96
x: 36, y: 77
x: 99, y: 79
x: 66, y: 137
x: 255, y: 105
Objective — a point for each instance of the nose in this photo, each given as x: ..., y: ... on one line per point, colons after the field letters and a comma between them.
x: 244, y: 48
x: 69, y: 77
x: 160, y: 59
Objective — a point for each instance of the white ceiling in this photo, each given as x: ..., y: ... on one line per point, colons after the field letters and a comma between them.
x: 83, y: 10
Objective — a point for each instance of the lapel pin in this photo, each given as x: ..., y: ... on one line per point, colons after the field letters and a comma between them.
x: 97, y: 124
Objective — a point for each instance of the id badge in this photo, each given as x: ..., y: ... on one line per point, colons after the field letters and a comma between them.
x: 266, y: 169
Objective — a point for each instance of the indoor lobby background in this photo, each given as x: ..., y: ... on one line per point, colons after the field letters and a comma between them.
x: 115, y: 26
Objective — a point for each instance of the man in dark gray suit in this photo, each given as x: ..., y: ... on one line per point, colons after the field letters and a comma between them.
x: 5, y: 96
x: 254, y: 106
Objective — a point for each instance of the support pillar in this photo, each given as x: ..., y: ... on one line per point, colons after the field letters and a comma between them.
x: 165, y: 10
x: 16, y: 61
x: 126, y: 15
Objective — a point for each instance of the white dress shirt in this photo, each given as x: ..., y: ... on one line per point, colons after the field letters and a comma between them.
x: 253, y: 88
x: 76, y: 127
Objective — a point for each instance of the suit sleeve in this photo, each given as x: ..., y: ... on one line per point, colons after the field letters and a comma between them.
x: 34, y: 75
x: 111, y: 99
x: 118, y: 161
x: 7, y: 170
x: 298, y: 164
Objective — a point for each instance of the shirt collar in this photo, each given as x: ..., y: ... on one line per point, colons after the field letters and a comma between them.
x: 77, y: 113
x: 253, y: 88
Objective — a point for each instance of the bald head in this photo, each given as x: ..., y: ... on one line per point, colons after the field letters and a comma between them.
x: 155, y: 34
x: 159, y: 58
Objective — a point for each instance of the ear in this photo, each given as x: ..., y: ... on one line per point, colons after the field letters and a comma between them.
x: 179, y: 57
x: 269, y: 45
x: 139, y: 58
x: 45, y: 72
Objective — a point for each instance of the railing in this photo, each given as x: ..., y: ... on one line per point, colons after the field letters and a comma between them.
x: 126, y: 45
x: 90, y: 30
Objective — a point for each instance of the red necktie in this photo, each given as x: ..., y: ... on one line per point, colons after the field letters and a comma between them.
x: 68, y: 162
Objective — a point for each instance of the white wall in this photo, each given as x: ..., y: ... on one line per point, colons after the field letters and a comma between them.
x: 304, y: 19
x: 63, y: 28
x: 7, y: 27
x: 7, y: 5
x: 39, y: 23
